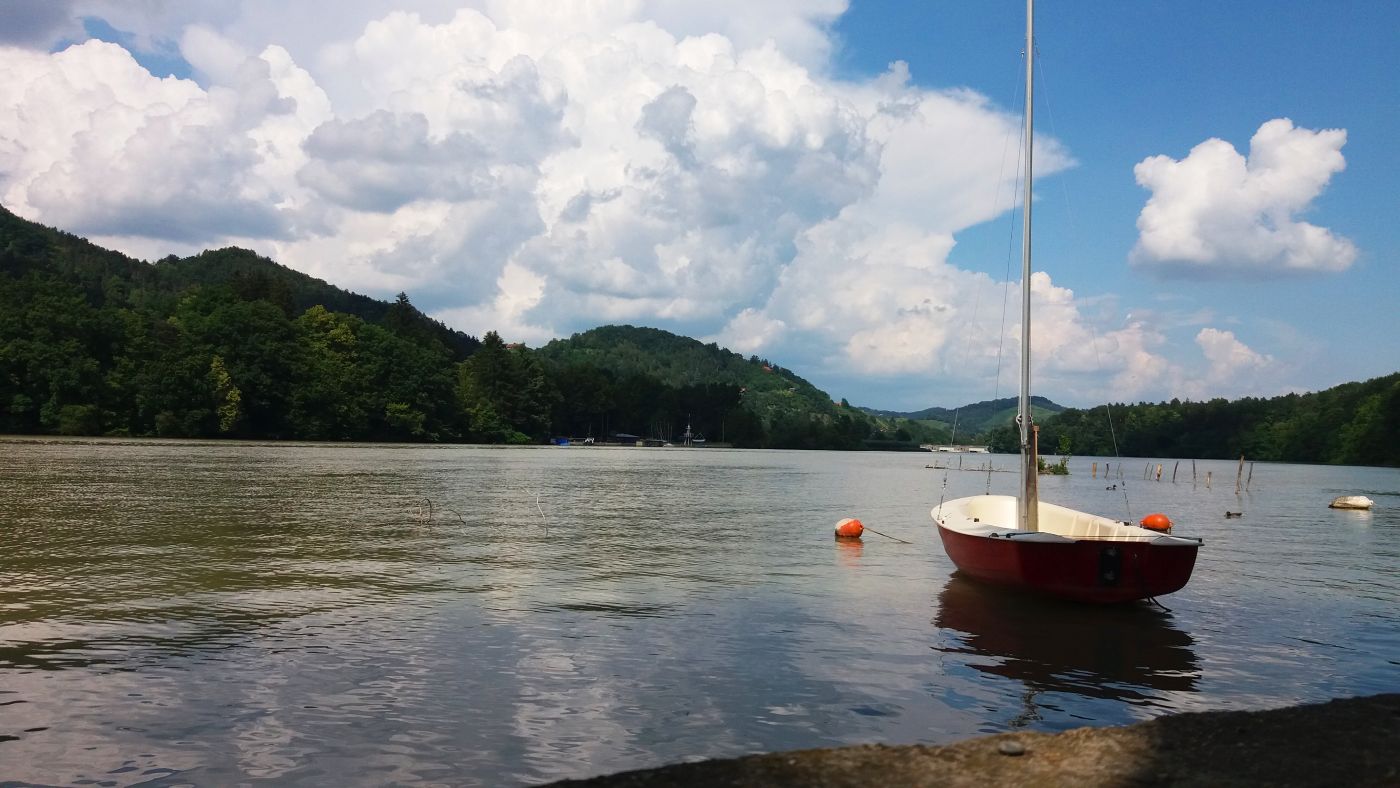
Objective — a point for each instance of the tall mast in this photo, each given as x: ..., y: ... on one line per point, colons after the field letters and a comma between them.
x: 1028, y: 499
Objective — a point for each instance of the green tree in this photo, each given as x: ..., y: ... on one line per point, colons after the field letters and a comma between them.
x: 51, y: 346
x: 329, y: 399
x: 505, y: 393
x: 228, y: 400
x: 419, y: 379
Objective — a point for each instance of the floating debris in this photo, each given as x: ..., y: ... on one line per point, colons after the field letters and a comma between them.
x: 1351, y: 502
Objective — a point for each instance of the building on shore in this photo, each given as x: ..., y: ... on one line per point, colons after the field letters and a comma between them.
x: 953, y: 448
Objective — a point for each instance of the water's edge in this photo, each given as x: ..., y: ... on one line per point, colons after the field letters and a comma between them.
x: 1341, y: 742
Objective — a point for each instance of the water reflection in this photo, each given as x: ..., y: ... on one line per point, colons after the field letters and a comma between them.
x: 848, y: 552
x: 1130, y: 653
x: 222, y: 613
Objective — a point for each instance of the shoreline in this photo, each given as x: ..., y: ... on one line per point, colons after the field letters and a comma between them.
x: 1348, y: 741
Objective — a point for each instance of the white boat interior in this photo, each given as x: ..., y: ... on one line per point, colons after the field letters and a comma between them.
x: 995, y: 516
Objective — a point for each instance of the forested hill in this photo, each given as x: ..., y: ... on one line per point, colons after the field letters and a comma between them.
x: 719, y: 393
x: 1350, y: 424
x: 679, y: 361
x: 108, y: 277
x: 228, y: 344
x: 974, y: 420
x: 95, y: 343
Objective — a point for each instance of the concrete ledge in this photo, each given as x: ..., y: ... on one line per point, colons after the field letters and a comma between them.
x: 1353, y: 742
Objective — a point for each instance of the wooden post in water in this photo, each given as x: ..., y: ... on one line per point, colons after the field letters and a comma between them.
x: 1159, y: 471
x: 1147, y: 471
x: 1239, y: 475
x: 1207, y: 480
x: 1250, y: 478
x: 1193, y: 471
x: 1174, y: 470
x: 1095, y: 472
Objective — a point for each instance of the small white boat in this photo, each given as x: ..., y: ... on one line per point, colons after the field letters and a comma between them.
x: 1351, y: 502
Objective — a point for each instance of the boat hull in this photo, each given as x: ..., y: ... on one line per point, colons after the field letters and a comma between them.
x: 1098, y: 571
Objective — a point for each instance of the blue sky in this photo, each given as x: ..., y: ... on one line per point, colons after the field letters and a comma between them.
x: 1127, y: 80
x: 819, y: 183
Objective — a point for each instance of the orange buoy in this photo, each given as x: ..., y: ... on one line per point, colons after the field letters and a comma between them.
x: 1156, y: 522
x: 849, y: 528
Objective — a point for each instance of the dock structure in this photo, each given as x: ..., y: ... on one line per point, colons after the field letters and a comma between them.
x: 953, y: 448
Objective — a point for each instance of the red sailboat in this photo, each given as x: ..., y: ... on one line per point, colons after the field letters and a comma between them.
x: 1019, y: 541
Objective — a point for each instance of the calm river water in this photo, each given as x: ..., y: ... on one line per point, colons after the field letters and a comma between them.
x: 215, y: 613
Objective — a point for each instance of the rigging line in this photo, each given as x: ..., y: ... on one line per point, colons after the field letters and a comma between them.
x: 996, y: 209
x: 1074, y: 238
x: 1010, y: 249
x: 1006, y: 277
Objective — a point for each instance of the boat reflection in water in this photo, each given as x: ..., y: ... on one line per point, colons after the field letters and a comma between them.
x: 1129, y: 654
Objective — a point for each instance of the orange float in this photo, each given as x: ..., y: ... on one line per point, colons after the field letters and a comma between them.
x: 1157, y: 522
x: 849, y: 528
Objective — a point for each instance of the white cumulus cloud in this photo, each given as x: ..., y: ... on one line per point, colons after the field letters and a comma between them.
x: 1232, y: 366
x: 1217, y: 212
x: 96, y: 145
x: 540, y: 168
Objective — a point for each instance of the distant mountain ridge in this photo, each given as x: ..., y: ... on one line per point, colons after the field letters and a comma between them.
x: 976, y: 419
